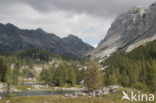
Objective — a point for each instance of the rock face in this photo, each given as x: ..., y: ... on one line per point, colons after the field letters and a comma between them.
x: 96, y: 93
x: 128, y: 31
x: 14, y: 39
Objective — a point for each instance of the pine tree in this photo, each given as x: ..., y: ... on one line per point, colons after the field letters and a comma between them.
x: 152, y: 76
x: 3, y: 69
x: 60, y: 75
x: 5, y: 74
x: 72, y: 77
x: 16, y: 72
x: 8, y: 81
x: 113, y: 79
x: 125, y: 79
x: 46, y: 76
x: 93, y: 76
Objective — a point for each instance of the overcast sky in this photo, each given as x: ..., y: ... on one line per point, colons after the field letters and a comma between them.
x: 87, y: 19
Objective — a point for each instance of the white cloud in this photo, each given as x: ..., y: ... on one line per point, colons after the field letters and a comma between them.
x: 62, y: 23
x: 86, y: 19
x: 94, y: 46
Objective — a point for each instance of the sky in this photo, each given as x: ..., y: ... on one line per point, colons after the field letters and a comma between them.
x: 87, y: 19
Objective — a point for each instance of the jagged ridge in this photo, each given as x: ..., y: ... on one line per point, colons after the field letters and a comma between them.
x: 13, y: 38
x: 128, y: 31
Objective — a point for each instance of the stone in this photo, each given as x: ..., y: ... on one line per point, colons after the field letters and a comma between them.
x: 29, y: 89
x: 128, y: 31
x: 26, y: 39
x: 95, y: 93
x: 7, y: 101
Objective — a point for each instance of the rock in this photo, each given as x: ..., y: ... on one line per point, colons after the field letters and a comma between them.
x: 75, y: 94
x: 46, y: 86
x: 38, y: 86
x: 13, y: 89
x: 7, y: 101
x: 28, y: 89
x: 127, y: 30
x: 27, y: 39
x: 2, y: 87
x: 114, y: 91
x: 105, y: 92
x: 82, y: 82
x: 95, y: 93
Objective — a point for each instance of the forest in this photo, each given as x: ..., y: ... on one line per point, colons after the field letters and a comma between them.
x: 136, y: 69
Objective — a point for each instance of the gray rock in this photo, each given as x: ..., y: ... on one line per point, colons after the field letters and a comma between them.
x: 128, y: 29
x: 95, y: 93
x: 7, y: 101
x: 13, y: 38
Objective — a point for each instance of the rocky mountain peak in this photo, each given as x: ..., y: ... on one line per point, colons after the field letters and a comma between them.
x: 13, y: 38
x: 153, y: 5
x: 9, y: 25
x: 40, y: 30
x: 128, y: 29
x: 137, y: 10
x: 73, y: 37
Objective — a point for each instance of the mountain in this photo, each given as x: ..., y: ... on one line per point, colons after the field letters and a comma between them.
x: 129, y: 30
x: 13, y: 38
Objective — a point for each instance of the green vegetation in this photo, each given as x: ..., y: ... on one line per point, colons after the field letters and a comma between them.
x: 66, y: 74
x: 5, y: 74
x: 93, y: 76
x: 23, y: 87
x: 55, y: 70
x: 112, y: 98
x: 135, y: 69
x: 37, y: 55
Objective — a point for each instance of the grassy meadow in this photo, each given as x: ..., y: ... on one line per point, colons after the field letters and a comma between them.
x: 59, y: 99
x: 110, y: 98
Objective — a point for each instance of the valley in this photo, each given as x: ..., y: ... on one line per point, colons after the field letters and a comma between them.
x: 41, y: 67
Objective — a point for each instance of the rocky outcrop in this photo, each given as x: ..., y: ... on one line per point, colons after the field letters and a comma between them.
x: 128, y: 30
x: 3, y: 88
x: 95, y: 93
x: 13, y: 38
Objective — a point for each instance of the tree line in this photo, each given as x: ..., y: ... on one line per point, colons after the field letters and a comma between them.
x: 135, y: 69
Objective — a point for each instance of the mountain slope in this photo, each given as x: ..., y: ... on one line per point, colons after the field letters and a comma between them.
x: 128, y: 31
x: 136, y: 69
x: 14, y: 39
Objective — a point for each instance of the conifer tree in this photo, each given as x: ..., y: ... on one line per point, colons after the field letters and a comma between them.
x: 93, y: 76
x: 5, y: 74
x: 3, y: 69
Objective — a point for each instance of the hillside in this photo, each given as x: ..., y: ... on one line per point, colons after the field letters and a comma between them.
x: 13, y: 38
x: 136, y: 69
x: 128, y: 31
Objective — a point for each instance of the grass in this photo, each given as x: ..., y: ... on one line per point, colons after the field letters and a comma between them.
x: 23, y: 88
x: 55, y: 99
x: 110, y: 98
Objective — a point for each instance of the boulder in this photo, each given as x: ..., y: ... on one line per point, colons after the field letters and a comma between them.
x: 95, y: 93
